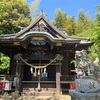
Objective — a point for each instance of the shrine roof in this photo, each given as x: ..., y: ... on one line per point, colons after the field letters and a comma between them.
x: 42, y: 27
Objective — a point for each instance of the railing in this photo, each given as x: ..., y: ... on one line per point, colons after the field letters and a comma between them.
x: 43, y: 84
x: 7, y: 77
x: 7, y: 82
x: 67, y: 83
x: 67, y: 78
x: 33, y: 82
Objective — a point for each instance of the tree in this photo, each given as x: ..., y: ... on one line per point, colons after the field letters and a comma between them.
x: 96, y: 35
x: 83, y: 22
x: 13, y: 15
x: 98, y: 14
x: 70, y: 25
x: 60, y: 19
x: 4, y: 64
x: 95, y: 49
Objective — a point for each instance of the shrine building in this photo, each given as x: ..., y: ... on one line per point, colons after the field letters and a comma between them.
x: 41, y: 57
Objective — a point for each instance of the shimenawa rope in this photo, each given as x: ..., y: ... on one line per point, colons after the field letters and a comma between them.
x: 38, y: 67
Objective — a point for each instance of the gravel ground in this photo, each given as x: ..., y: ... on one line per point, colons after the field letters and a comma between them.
x: 62, y: 97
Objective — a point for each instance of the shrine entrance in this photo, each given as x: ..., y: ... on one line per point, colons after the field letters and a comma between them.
x: 46, y: 74
x: 44, y: 80
x: 40, y: 73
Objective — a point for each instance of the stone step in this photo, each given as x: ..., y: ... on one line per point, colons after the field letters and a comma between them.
x: 42, y: 89
x: 39, y: 92
x: 43, y: 93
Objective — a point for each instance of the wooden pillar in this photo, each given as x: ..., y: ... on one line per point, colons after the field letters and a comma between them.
x: 11, y: 60
x: 58, y: 74
x: 65, y: 69
x: 12, y: 66
x: 18, y: 78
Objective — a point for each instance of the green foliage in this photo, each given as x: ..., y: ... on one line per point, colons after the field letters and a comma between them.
x: 83, y: 27
x: 13, y: 14
x: 60, y: 19
x: 88, y: 33
x: 83, y: 23
x: 97, y: 31
x: 4, y: 64
x: 96, y: 35
x: 93, y: 32
x: 70, y: 25
x: 97, y: 41
x: 98, y: 15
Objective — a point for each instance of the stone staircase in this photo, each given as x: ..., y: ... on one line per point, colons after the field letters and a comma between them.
x: 39, y: 92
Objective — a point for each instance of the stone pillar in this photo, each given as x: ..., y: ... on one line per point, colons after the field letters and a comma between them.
x: 58, y: 74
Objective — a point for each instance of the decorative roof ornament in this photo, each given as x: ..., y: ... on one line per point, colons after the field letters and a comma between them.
x: 42, y: 14
x: 42, y: 10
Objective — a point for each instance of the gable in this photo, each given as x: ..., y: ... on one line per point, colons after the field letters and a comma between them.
x: 42, y: 25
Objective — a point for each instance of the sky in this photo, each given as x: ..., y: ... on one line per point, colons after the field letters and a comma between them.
x: 71, y: 7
